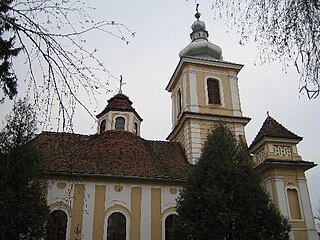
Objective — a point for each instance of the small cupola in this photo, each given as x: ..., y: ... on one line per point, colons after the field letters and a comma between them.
x: 274, y: 142
x: 119, y: 115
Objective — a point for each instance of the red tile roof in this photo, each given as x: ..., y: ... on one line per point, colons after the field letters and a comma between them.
x: 119, y: 102
x: 271, y: 128
x: 112, y: 153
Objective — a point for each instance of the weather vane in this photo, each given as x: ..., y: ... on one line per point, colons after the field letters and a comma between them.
x: 197, y: 15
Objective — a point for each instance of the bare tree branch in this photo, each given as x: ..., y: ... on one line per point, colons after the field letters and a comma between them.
x: 287, y: 30
x: 51, y: 34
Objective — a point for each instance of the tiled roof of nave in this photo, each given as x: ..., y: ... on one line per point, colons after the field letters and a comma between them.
x: 112, y: 153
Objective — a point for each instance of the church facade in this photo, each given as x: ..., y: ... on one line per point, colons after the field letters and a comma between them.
x: 116, y: 185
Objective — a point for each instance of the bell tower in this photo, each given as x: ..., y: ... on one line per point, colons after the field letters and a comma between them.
x: 204, y: 90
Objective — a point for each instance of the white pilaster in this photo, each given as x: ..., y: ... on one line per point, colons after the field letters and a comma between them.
x: 186, y: 141
x: 282, y: 201
x: 233, y: 81
x: 306, y: 209
x: 184, y: 86
x: 145, y: 225
x: 88, y: 210
x: 193, y: 91
x: 196, y: 142
x: 269, y: 189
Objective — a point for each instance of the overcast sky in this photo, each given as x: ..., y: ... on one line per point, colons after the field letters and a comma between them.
x: 148, y: 61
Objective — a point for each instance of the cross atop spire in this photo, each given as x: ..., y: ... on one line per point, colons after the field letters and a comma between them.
x: 121, y: 83
x: 197, y: 15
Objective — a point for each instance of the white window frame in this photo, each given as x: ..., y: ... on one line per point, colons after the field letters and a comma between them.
x: 221, y: 91
x: 105, y: 225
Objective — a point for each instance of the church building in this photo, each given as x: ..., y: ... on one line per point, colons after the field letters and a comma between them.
x: 116, y: 185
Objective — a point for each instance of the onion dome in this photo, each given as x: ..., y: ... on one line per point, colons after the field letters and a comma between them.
x: 200, y: 46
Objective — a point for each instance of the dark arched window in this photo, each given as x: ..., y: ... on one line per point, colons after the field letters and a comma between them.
x: 102, y: 126
x: 58, y: 225
x: 120, y: 121
x: 135, y: 128
x: 116, y: 227
x: 169, y: 223
x: 179, y: 106
x: 213, y: 91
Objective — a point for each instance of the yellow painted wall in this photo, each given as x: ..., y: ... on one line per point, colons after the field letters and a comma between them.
x: 156, y: 230
x: 98, y: 215
x: 135, y: 213
x: 290, y: 177
x: 77, y: 212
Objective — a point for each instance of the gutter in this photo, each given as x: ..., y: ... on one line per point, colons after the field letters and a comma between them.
x: 109, y: 176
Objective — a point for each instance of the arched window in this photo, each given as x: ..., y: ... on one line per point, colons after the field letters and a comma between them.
x: 179, y: 106
x: 135, y: 128
x: 120, y: 122
x: 294, y: 205
x: 58, y: 225
x: 116, y: 227
x: 169, y: 223
x: 102, y: 126
x: 213, y: 91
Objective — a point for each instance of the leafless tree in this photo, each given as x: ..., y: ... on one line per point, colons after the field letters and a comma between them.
x: 50, y: 36
x: 286, y: 30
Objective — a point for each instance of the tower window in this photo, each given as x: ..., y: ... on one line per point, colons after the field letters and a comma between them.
x: 58, y: 225
x: 169, y: 223
x: 135, y: 128
x: 179, y: 101
x: 120, y: 122
x: 294, y: 206
x: 116, y: 227
x: 102, y: 126
x: 213, y: 91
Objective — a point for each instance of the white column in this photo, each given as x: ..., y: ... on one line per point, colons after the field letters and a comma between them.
x: 186, y: 142
x: 172, y: 111
x: 88, y: 210
x: 269, y: 189
x: 233, y: 81
x: 196, y: 142
x: 282, y: 200
x: 146, y: 213
x: 307, y: 211
x: 185, y: 95
x: 193, y: 91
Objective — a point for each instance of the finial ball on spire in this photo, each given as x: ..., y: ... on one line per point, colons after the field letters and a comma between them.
x: 197, y: 15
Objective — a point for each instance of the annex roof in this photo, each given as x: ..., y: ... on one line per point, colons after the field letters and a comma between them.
x: 271, y: 128
x: 113, y: 154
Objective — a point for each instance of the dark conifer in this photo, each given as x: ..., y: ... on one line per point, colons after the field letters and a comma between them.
x: 23, y: 208
x: 223, y: 197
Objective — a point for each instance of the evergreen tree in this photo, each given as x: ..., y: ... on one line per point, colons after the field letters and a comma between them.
x: 223, y: 197
x: 23, y: 208
x: 8, y: 79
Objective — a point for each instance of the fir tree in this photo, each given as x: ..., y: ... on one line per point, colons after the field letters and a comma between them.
x: 23, y: 208
x: 8, y: 79
x: 223, y: 198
